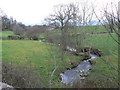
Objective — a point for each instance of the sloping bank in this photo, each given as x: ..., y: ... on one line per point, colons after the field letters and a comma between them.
x: 76, y: 75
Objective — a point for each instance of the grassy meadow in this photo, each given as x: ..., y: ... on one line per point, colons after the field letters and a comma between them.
x: 87, y: 29
x: 43, y: 57
x: 39, y: 56
x: 5, y: 34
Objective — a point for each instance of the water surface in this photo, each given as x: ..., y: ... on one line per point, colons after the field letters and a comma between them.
x: 71, y: 76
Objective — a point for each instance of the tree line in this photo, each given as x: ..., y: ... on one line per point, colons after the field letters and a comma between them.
x: 31, y: 32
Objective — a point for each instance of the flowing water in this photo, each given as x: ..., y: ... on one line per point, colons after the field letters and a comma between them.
x: 70, y: 77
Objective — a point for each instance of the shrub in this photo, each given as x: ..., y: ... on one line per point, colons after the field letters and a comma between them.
x: 20, y: 77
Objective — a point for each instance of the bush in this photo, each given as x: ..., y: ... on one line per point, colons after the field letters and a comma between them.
x: 33, y: 32
x: 20, y: 77
x: 19, y: 30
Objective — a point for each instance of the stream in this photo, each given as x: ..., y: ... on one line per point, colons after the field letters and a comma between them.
x: 75, y: 75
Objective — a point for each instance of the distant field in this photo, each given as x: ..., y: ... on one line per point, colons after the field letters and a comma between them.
x: 87, y: 29
x: 5, y: 34
x: 104, y: 42
x: 96, y: 28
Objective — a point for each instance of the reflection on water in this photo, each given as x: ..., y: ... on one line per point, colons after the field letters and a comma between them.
x: 69, y: 77
x: 94, y: 56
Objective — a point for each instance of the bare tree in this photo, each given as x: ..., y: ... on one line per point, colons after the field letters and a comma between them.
x: 85, y: 17
x: 68, y: 17
x: 1, y: 12
x: 33, y: 32
x: 18, y: 30
x: 64, y: 14
x: 111, y: 19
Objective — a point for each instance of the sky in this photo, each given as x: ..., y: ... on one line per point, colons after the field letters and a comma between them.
x: 35, y: 11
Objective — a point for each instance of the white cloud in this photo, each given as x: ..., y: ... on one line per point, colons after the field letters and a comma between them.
x: 34, y: 11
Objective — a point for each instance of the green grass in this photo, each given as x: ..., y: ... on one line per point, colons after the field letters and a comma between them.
x: 88, y: 29
x: 5, y: 34
x: 79, y: 29
x: 42, y: 36
x: 104, y: 74
x: 42, y: 56
x: 39, y: 56
x: 0, y: 51
x: 104, y: 42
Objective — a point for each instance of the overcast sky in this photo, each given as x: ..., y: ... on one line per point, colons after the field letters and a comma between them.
x: 34, y: 11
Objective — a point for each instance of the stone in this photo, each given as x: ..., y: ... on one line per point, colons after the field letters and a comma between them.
x: 5, y: 86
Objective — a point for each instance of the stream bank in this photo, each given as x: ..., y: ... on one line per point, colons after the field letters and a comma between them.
x: 78, y: 73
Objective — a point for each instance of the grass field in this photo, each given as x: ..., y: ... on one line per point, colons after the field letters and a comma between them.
x: 4, y: 34
x: 37, y: 54
x: 96, y: 28
x: 104, y: 74
x: 43, y: 56
x: 104, y: 42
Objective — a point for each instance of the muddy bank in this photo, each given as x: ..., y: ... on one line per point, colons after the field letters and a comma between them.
x: 86, y: 51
